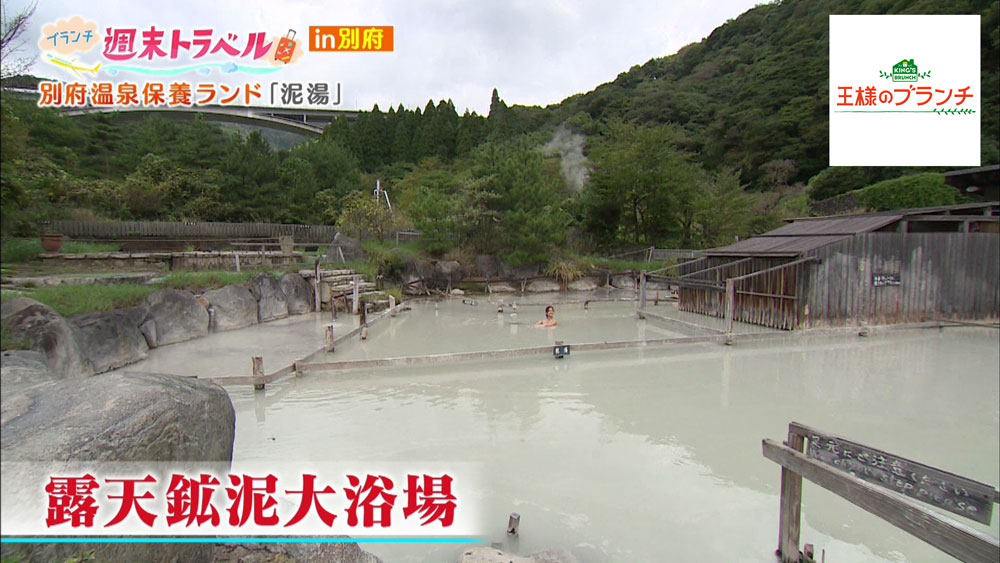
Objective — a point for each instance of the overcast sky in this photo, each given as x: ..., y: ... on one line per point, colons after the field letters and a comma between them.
x: 535, y: 52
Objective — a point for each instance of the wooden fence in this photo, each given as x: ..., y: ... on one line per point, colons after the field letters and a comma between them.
x: 117, y: 230
x: 883, y: 278
x: 873, y: 278
x: 860, y: 474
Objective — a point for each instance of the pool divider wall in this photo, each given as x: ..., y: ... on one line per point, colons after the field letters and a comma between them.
x: 260, y: 379
x: 301, y: 366
x: 644, y: 313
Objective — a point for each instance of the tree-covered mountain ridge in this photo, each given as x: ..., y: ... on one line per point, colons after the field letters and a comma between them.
x: 756, y: 89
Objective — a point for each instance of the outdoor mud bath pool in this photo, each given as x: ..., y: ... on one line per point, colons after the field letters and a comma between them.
x: 639, y: 454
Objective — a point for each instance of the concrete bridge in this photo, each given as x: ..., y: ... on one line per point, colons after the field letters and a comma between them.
x: 307, y: 122
x: 303, y: 122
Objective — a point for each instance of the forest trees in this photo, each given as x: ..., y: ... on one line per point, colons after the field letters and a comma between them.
x: 647, y: 191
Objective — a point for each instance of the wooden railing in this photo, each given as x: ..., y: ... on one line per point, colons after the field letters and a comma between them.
x: 860, y: 474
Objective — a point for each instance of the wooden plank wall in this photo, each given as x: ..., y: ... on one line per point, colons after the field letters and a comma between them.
x: 941, y: 276
x: 320, y: 234
x: 773, y: 299
x: 710, y: 301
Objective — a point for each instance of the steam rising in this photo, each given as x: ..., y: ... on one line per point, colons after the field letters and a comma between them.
x: 569, y: 145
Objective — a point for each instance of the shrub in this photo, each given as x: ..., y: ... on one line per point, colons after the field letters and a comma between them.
x: 20, y: 250
x: 564, y: 271
x: 918, y: 190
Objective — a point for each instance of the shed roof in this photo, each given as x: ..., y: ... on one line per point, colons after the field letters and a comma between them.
x: 776, y: 246
x: 810, y: 233
x: 834, y: 226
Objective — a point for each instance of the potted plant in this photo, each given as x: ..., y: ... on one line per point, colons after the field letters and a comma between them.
x: 52, y: 242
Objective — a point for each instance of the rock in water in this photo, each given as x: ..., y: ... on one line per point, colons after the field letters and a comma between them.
x: 270, y: 300
x: 176, y: 316
x: 45, y: 331
x: 232, y: 306
x: 298, y: 293
x: 111, y: 340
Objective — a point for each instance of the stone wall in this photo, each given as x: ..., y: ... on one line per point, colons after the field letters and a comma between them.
x: 195, y: 261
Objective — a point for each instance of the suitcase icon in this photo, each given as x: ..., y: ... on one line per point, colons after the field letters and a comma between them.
x: 286, y: 46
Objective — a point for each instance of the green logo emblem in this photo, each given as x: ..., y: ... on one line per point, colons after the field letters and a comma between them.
x: 904, y: 71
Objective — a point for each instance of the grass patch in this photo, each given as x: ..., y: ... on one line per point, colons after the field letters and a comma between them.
x: 363, y: 268
x: 19, y: 250
x: 72, y: 300
x: 84, y: 247
x: 203, y: 281
x: 396, y: 292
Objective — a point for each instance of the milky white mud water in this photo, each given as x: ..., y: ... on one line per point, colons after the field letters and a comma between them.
x: 650, y: 454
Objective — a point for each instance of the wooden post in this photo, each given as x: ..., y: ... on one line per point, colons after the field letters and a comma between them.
x: 642, y: 290
x: 329, y: 338
x: 317, y: 304
x: 237, y: 255
x: 258, y: 373
x: 791, y: 506
x: 354, y: 305
x: 392, y: 306
x: 340, y: 252
x: 730, y: 309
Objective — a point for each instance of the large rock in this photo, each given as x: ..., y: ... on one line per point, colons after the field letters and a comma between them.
x: 483, y: 554
x: 520, y: 272
x: 8, y: 308
x: 270, y: 300
x: 43, y: 330
x: 147, y: 553
x: 111, y: 340
x: 447, y: 272
x: 585, y: 284
x: 349, y: 246
x: 622, y: 281
x: 502, y: 287
x: 542, y: 285
x: 115, y: 418
x: 487, y: 266
x: 298, y: 294
x: 23, y: 367
x: 233, y: 306
x: 294, y: 553
x: 174, y: 316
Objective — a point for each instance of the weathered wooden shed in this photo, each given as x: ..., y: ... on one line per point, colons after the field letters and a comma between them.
x: 880, y: 268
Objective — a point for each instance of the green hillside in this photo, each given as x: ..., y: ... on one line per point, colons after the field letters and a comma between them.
x: 755, y: 90
x: 691, y: 150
